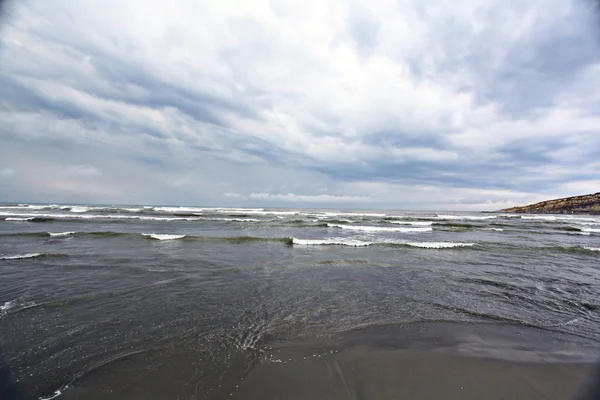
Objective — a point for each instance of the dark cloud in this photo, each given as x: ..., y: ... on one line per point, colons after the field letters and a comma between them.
x: 479, y: 101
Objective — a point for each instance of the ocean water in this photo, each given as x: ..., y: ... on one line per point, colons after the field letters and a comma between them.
x: 181, y: 302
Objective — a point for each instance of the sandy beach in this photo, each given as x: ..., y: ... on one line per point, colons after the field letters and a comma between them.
x: 366, y: 373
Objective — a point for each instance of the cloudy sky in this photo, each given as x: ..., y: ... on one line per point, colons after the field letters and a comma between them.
x: 403, y: 104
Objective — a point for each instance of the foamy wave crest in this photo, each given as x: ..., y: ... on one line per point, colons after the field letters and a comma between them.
x: 157, y: 236
x: 590, y: 230
x: 467, y: 217
x: 362, y: 243
x: 413, y: 223
x: 79, y: 209
x: 494, y: 229
x: 379, y: 228
x: 233, y: 219
x: 592, y: 248
x: 58, y: 234
x: 559, y: 218
x: 18, y: 219
x: 347, y: 214
x: 438, y: 245
x: 95, y: 216
x: 206, y: 209
x: 331, y: 241
x: 20, y: 256
x: 7, y: 306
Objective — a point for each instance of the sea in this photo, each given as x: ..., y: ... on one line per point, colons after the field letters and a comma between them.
x: 181, y: 302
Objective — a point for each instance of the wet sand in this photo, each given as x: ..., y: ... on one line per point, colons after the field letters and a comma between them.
x: 368, y: 373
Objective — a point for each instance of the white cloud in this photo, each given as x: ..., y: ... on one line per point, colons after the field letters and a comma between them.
x: 459, y: 100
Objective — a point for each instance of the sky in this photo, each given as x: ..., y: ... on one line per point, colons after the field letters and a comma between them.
x: 404, y: 104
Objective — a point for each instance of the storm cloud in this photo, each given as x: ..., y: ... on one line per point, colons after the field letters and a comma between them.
x: 394, y: 104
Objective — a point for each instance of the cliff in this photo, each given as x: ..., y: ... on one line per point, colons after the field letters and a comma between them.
x: 586, y: 204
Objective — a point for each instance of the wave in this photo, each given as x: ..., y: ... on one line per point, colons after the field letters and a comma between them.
x: 205, y: 209
x: 467, y: 217
x: 80, y: 216
x: 568, y: 229
x: 413, y: 223
x: 558, y: 218
x: 454, y: 225
x: 18, y: 219
x: 590, y: 230
x: 157, y: 236
x: 7, y: 306
x: 572, y: 249
x: 379, y: 228
x: 79, y: 209
x: 362, y: 243
x: 347, y: 214
x: 439, y: 245
x: 234, y: 219
x: 332, y: 241
x: 29, y: 255
x: 58, y: 234
x: 494, y: 229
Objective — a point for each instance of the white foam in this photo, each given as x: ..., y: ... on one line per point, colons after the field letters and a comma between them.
x: 591, y: 230
x: 494, y: 229
x: 19, y: 256
x: 207, y: 209
x: 96, y: 216
x: 362, y: 243
x: 348, y: 214
x: 52, y: 396
x: 234, y: 219
x: 163, y: 236
x: 7, y: 306
x: 18, y: 219
x: 467, y: 217
x: 79, y: 209
x: 54, y: 234
x: 438, y: 245
x: 414, y: 223
x: 331, y: 241
x: 592, y: 248
x: 379, y: 228
x: 559, y: 218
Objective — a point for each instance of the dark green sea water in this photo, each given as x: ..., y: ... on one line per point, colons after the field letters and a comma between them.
x: 110, y: 301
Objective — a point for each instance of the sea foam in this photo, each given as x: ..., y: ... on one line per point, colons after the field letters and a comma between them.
x: 20, y: 256
x: 413, y: 223
x: 592, y: 248
x: 58, y: 234
x: 362, y: 243
x: 467, y: 217
x: 157, y: 236
x: 379, y: 228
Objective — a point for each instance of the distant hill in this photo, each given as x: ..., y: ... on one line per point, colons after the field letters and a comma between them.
x: 586, y: 204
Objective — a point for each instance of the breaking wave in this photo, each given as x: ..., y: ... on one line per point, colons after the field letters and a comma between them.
x: 413, y: 223
x: 362, y: 243
x: 157, y: 236
x: 379, y: 228
x: 467, y: 217
x: 29, y: 255
x: 58, y: 234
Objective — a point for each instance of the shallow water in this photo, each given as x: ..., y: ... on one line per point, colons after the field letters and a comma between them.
x: 91, y: 295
